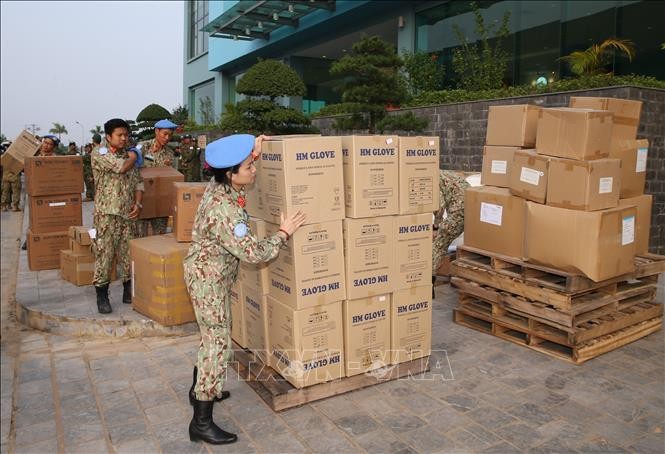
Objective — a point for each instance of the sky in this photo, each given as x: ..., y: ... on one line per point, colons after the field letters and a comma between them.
x: 87, y: 61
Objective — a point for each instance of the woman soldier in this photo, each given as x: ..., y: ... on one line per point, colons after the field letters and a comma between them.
x: 220, y: 239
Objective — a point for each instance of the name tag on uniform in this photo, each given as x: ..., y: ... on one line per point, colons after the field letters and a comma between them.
x: 240, y: 230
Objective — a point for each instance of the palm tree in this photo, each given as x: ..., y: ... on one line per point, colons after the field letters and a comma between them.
x: 58, y: 129
x: 98, y: 130
x: 594, y: 59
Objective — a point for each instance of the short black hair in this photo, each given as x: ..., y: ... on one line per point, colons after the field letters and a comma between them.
x: 96, y: 138
x: 114, y: 124
x: 221, y: 174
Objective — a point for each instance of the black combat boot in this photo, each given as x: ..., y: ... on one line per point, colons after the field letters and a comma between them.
x: 103, y: 303
x: 192, y: 396
x: 433, y: 282
x: 202, y: 428
x: 127, y: 292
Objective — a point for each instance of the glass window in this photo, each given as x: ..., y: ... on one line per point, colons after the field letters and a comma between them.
x: 198, y: 18
x: 202, y: 99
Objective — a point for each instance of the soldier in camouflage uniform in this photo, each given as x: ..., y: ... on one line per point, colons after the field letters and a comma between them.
x: 157, y: 153
x: 87, y: 173
x: 190, y: 159
x: 48, y: 146
x: 220, y: 240
x: 118, y: 197
x: 11, y: 191
x: 451, y: 199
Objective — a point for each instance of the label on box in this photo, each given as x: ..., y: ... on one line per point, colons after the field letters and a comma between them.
x: 628, y: 230
x: 431, y: 143
x: 641, y: 164
x: 530, y: 176
x: 92, y: 233
x: 57, y: 204
x: 605, y: 185
x: 499, y: 166
x: 491, y: 213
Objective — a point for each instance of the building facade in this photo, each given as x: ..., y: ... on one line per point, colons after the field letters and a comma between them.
x: 224, y: 38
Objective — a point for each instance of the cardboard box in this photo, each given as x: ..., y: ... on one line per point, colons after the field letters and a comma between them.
x: 371, y: 176
x: 307, y: 345
x: 366, y: 334
x: 581, y: 134
x: 494, y: 220
x: 256, y: 275
x: 187, y: 199
x: 411, y: 324
x: 44, y: 249
x: 52, y: 175
x: 643, y: 203
x: 626, y: 113
x: 512, y: 125
x: 497, y: 162
x: 158, y: 282
x: 304, y: 174
x: 413, y: 250
x: 584, y: 185
x: 369, y: 256
x: 418, y: 175
x: 77, y: 268
x: 25, y: 145
x: 255, y: 319
x: 238, y: 332
x: 159, y: 194
x: 80, y: 234
x: 55, y: 213
x: 633, y: 155
x: 309, y: 270
x: 254, y: 204
x: 79, y: 249
x: 528, y: 177
x: 597, y: 244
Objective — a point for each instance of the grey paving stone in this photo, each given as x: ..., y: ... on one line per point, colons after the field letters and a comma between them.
x: 122, y: 413
x: 307, y: 421
x: 37, y: 448
x: 532, y: 414
x: 140, y: 445
x: 336, y: 407
x: 35, y: 433
x: 652, y: 443
x: 280, y: 443
x: 76, y: 434
x: 129, y: 430
x: 502, y: 448
x: 165, y: 412
x: 427, y: 439
x: 379, y: 442
x: 26, y: 376
x: 474, y: 437
x: 146, y: 385
x: 74, y: 388
x: 112, y: 386
x: 400, y: 422
x: 491, y: 417
x: 462, y: 402
x: 600, y: 445
x: 187, y: 447
x: 614, y: 431
x: 552, y: 447
x: 520, y: 435
x: 94, y: 446
x: 155, y: 398
x: 266, y: 426
x: 571, y: 411
x: 357, y: 424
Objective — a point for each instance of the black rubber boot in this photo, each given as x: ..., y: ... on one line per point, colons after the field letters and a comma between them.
x: 202, y: 428
x: 127, y: 292
x: 103, y: 303
x: 433, y: 282
x: 192, y: 396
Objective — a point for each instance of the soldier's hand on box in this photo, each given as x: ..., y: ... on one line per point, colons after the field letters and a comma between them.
x: 291, y: 223
x: 258, y: 144
x: 136, y: 210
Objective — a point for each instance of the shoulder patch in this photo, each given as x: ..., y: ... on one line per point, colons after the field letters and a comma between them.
x: 240, y: 230
x: 103, y: 150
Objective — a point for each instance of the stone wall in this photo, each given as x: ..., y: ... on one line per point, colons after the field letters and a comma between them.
x: 461, y: 128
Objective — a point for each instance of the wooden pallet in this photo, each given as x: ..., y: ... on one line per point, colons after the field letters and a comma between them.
x: 551, y: 278
x: 280, y: 395
x: 583, y: 308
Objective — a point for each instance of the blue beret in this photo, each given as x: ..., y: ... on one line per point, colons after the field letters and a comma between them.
x: 165, y: 124
x: 229, y: 151
x: 52, y: 137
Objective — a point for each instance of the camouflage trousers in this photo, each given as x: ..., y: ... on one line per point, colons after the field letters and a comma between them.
x: 212, y: 305
x: 11, y: 193
x: 113, y: 235
x: 441, y: 243
x: 89, y: 187
x: 158, y: 226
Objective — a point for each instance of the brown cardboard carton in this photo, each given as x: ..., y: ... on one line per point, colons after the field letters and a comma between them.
x: 77, y: 268
x: 253, y: 194
x: 369, y: 256
x: 494, y: 220
x: 23, y: 146
x: 366, y: 334
x: 256, y: 275
x: 44, y: 249
x: 55, y: 213
x: 418, y: 175
x: 413, y: 250
x: 79, y: 249
x: 158, y: 282
x: 309, y: 270
x: 52, y: 175
x: 411, y: 324
x: 528, y: 176
x: 187, y: 199
x: 626, y: 113
x: 584, y: 185
x: 497, y: 162
x: 597, y: 244
x: 303, y: 173
x: 307, y: 345
x: 643, y: 203
x: 238, y: 332
x: 371, y: 176
x: 159, y: 191
x: 255, y: 319
x: 581, y: 134
x: 512, y: 125
x: 80, y: 234
x: 633, y: 155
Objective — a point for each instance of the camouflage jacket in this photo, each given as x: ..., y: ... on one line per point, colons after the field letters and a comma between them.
x: 159, y: 157
x: 190, y: 156
x: 221, y: 238
x: 451, y: 200
x: 114, y: 191
x: 87, y: 164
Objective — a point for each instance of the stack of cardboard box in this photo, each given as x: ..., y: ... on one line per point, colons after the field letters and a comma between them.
x: 54, y: 185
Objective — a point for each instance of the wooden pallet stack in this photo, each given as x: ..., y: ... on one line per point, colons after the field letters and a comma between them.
x: 560, y: 314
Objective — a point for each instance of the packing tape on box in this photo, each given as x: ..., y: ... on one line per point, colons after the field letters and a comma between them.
x: 161, y: 260
x: 572, y: 206
x: 177, y: 290
x: 626, y: 121
x: 163, y: 312
x: 85, y: 267
x: 168, y: 274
